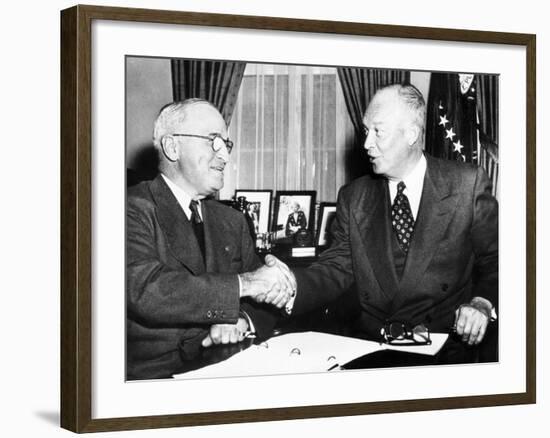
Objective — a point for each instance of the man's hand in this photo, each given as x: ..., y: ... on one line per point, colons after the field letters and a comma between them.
x: 226, y: 333
x: 289, y: 278
x: 471, y: 320
x: 273, y: 283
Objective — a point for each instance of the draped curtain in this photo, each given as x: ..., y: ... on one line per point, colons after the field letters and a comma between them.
x: 291, y: 130
x: 487, y: 110
x: 487, y: 106
x: 216, y: 81
x: 359, y: 86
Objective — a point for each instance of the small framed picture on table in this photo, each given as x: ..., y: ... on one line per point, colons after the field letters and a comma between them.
x: 258, y: 208
x: 294, y: 211
x: 327, y: 213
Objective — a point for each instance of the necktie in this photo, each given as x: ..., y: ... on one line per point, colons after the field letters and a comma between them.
x: 402, y: 218
x: 197, y: 223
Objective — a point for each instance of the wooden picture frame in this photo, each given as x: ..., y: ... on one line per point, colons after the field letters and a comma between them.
x: 78, y: 372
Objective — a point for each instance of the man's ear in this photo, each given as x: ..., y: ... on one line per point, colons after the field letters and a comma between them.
x: 412, y: 134
x: 169, y: 148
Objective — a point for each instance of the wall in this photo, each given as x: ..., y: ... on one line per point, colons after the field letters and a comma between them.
x: 148, y: 89
x: 29, y: 231
x: 421, y: 80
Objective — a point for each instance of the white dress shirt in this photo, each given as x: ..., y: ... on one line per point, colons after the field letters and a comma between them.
x: 414, y: 183
x: 182, y: 197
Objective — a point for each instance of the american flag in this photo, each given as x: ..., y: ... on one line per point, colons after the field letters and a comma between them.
x: 451, y: 126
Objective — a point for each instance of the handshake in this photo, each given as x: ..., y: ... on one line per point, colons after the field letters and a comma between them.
x: 273, y: 283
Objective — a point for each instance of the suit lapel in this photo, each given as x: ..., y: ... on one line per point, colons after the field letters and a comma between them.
x: 179, y: 232
x: 372, y: 214
x: 436, y: 209
x: 214, y: 231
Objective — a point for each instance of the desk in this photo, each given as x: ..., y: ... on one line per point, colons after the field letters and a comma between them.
x: 313, y: 349
x: 337, y: 318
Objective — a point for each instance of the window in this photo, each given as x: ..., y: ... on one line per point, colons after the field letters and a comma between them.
x: 292, y: 131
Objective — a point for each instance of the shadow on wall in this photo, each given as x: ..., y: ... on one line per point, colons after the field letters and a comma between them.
x: 51, y: 417
x: 144, y: 166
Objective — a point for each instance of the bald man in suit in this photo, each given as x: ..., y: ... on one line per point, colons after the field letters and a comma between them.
x: 418, y: 239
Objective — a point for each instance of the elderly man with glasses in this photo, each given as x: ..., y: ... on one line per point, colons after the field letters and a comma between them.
x: 193, y: 278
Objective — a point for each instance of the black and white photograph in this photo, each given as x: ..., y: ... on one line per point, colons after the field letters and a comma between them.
x: 294, y: 211
x: 327, y: 213
x: 258, y: 208
x: 410, y: 157
x: 397, y: 272
x: 146, y: 290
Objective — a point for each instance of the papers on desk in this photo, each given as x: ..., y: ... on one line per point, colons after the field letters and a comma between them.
x: 305, y: 352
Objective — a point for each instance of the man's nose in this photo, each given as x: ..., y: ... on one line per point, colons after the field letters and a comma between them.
x: 369, y: 141
x: 223, y: 153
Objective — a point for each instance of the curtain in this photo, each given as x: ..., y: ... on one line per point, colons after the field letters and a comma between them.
x: 216, y: 81
x: 487, y: 106
x: 487, y: 110
x: 291, y: 131
x: 359, y: 86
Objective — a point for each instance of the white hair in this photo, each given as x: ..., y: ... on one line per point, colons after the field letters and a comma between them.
x: 413, y: 100
x: 171, y: 116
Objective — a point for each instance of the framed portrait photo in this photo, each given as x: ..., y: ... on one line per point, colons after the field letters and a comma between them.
x: 327, y: 213
x: 291, y: 118
x: 259, y: 208
x: 294, y: 210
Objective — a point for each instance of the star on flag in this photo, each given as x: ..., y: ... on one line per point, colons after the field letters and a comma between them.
x: 457, y: 147
x: 450, y: 134
x: 443, y: 120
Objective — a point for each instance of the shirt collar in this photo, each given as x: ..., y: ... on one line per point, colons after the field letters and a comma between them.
x: 415, y: 178
x: 414, y: 183
x: 182, y: 197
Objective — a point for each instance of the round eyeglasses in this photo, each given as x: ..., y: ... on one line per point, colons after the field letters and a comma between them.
x: 216, y: 141
x: 399, y: 333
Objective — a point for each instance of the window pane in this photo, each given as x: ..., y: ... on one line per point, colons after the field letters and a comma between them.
x: 264, y: 133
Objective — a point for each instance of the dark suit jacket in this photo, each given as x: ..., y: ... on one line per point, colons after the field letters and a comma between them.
x: 172, y: 298
x: 453, y: 254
